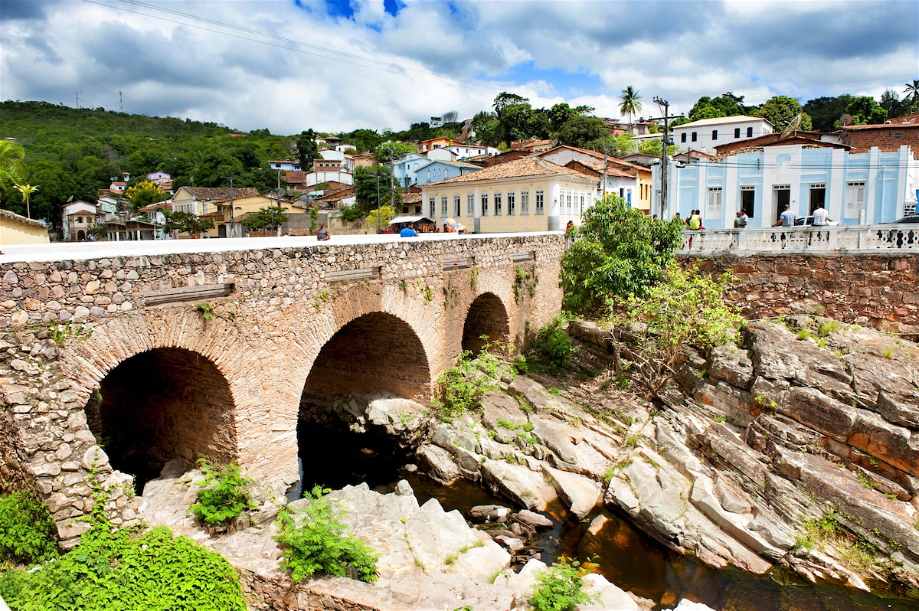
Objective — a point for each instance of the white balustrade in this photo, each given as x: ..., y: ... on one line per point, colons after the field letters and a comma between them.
x: 863, y: 238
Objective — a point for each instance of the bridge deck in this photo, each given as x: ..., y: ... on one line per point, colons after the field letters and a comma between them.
x: 75, y: 251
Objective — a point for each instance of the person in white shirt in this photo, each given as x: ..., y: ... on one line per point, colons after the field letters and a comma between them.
x: 787, y: 218
x: 821, y: 216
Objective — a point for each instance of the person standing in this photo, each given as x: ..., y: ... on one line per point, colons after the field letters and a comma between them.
x: 787, y: 218
x: 821, y: 217
x: 323, y: 234
x: 740, y: 221
x: 695, y: 221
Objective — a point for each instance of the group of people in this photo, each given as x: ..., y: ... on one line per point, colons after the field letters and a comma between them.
x: 820, y: 218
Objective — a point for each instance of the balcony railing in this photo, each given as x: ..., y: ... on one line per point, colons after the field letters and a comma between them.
x: 870, y: 238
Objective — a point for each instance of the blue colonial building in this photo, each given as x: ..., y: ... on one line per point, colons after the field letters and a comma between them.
x: 801, y: 172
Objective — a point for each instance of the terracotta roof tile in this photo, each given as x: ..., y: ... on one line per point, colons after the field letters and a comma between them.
x: 519, y: 168
x: 220, y: 193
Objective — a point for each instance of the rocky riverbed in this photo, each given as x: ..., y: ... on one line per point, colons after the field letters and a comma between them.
x: 794, y: 457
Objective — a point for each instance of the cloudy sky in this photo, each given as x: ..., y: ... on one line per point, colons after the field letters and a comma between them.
x: 341, y: 64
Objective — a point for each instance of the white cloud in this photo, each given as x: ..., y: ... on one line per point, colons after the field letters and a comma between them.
x: 289, y: 68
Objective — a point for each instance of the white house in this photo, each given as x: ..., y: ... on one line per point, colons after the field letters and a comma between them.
x: 464, y: 151
x: 441, y: 154
x: 706, y: 134
x: 77, y: 219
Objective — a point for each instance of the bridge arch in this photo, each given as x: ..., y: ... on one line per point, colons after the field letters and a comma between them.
x: 486, y: 321
x: 162, y: 404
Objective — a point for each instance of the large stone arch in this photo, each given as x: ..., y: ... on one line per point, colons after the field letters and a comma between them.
x: 487, y: 321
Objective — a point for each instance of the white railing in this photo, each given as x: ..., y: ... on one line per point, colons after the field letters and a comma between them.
x: 897, y: 238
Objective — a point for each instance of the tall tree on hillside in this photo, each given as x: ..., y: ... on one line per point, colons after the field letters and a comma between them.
x: 781, y: 110
x: 505, y: 99
x: 581, y: 130
x: 911, y: 92
x: 144, y: 193
x: 307, y: 149
x: 372, y: 188
x: 890, y: 101
x: 865, y: 110
x: 487, y: 128
x: 826, y: 111
x: 725, y: 105
x: 630, y: 103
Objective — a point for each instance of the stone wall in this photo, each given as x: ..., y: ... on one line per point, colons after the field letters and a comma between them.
x: 69, y: 324
x: 875, y: 290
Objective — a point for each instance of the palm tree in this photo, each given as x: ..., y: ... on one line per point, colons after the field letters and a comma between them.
x: 11, y: 157
x: 26, y: 191
x: 631, y: 104
x: 912, y: 92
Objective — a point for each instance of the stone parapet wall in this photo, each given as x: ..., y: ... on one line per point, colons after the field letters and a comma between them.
x: 877, y: 290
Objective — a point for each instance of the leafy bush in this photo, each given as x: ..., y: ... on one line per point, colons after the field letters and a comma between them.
x: 618, y: 252
x: 351, y: 214
x: 317, y: 544
x: 687, y: 309
x: 26, y: 530
x: 552, y: 346
x: 460, y: 389
x: 559, y: 588
x: 115, y: 569
x: 223, y: 494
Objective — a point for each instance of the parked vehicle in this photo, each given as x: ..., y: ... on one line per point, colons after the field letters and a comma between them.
x: 912, y: 218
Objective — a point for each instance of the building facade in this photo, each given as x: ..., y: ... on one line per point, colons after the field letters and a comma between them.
x: 77, y: 219
x: 706, y: 134
x: 855, y: 188
x: 17, y: 229
x: 629, y: 181
x: 437, y: 171
x: 529, y: 194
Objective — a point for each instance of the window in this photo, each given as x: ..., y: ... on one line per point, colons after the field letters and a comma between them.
x: 443, y: 206
x: 581, y: 205
x: 456, y: 205
x: 511, y: 197
x: 568, y: 202
x: 737, y: 132
x: 683, y: 137
x: 749, y: 132
x: 855, y: 199
x: 432, y: 208
x: 694, y: 136
x: 524, y: 202
x: 817, y: 196
x: 470, y: 205
x: 484, y: 204
x: 747, y: 199
x: 713, y: 210
x: 540, y: 202
x: 714, y: 134
x: 497, y: 204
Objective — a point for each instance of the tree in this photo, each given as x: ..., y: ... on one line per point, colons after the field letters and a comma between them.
x: 271, y: 217
x: 144, y: 193
x: 653, y: 147
x: 865, y: 110
x: 505, y: 99
x: 307, y: 149
x: 781, y: 110
x: 615, y: 146
x: 487, y: 128
x: 826, y: 111
x: 185, y: 222
x: 12, y: 156
x: 619, y: 252
x: 26, y: 191
x: 911, y: 92
x: 392, y: 149
x: 378, y: 218
x: 581, y: 130
x: 725, y: 105
x: 890, y: 101
x: 630, y: 104
x: 370, y: 182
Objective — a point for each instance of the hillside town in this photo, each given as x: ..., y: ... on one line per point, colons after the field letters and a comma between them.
x: 722, y: 167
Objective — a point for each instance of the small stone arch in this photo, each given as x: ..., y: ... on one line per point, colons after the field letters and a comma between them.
x: 162, y: 404
x: 486, y: 321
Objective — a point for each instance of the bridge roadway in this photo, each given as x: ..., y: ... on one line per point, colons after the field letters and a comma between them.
x: 117, y: 357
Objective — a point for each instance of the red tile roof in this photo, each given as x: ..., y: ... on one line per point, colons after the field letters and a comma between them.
x: 519, y: 168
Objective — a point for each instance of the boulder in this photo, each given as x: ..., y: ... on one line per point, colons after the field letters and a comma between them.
x: 524, y: 487
x: 605, y: 596
x: 396, y: 415
x: 579, y: 493
x: 531, y: 518
x: 489, y: 513
x: 439, y: 463
x: 731, y: 365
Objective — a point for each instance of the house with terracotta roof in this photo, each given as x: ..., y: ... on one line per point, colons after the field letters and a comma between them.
x: 437, y: 171
x: 528, y: 194
x: 630, y: 181
x: 532, y: 145
x: 887, y: 137
x: 764, y: 175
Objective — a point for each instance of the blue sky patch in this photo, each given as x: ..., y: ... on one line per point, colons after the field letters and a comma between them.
x: 567, y: 83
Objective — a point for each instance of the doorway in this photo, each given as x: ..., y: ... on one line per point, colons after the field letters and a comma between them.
x: 747, y: 201
x: 781, y: 196
x: 817, y: 196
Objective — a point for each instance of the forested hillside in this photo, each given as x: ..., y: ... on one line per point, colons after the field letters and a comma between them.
x: 75, y: 152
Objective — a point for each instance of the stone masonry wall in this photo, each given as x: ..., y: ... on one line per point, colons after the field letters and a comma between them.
x: 880, y: 291
x: 65, y: 325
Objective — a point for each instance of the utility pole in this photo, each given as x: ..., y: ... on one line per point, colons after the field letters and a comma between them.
x: 76, y: 99
x: 378, y: 198
x: 232, y: 209
x: 665, y: 145
x: 121, y: 100
x: 605, y: 165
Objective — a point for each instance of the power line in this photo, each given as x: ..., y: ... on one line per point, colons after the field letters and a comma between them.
x: 220, y: 28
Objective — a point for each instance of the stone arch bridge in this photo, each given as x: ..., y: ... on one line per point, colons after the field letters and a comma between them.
x: 151, y: 351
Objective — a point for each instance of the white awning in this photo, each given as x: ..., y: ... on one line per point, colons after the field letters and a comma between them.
x: 409, y: 219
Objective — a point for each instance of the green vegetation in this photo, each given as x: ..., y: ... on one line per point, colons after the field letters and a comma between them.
x: 206, y: 310
x: 460, y: 389
x: 559, y: 588
x: 827, y: 328
x: 619, y: 252
x: 372, y: 188
x: 26, y: 530
x: 269, y: 218
x: 316, y: 543
x: 688, y: 308
x: 110, y: 568
x: 826, y: 531
x: 452, y: 558
x: 524, y: 281
x: 552, y: 348
x: 74, y: 152
x: 223, y: 494
x: 378, y: 218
